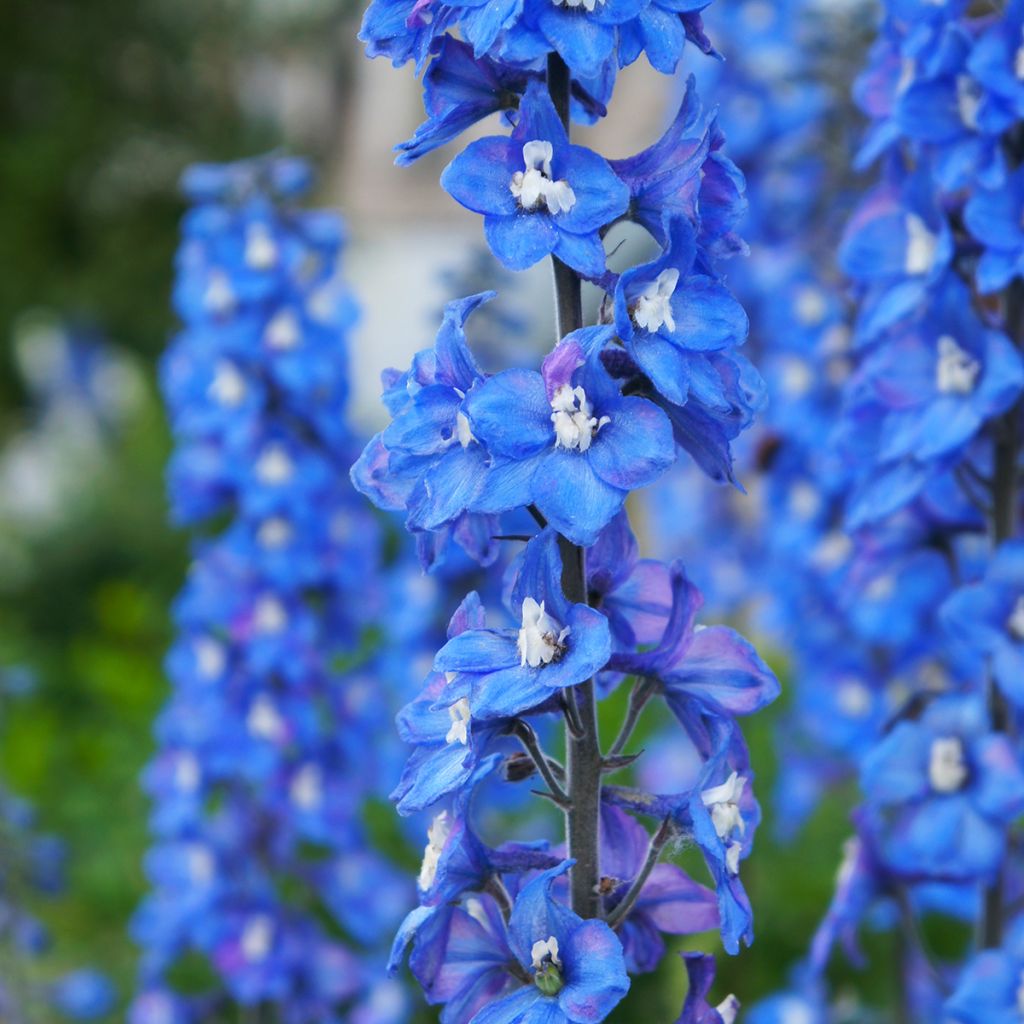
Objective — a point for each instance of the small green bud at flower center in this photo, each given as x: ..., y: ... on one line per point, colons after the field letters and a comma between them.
x: 549, y: 979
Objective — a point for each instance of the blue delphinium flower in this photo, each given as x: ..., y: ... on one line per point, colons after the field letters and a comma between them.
x: 941, y: 791
x: 993, y: 216
x: 566, y: 440
x: 990, y: 988
x: 539, y: 194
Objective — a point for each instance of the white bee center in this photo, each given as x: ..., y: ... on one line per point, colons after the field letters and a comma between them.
x: 853, y: 698
x: 811, y: 305
x: 462, y: 430
x: 541, y: 640
x: 274, y: 465
x: 573, y: 418
x: 210, y: 657
x: 219, y: 298
x: 263, y: 720
x: 260, y: 247
x: 269, y: 615
x: 257, y: 937
x: 228, y: 385
x: 947, y: 770
x: 921, y: 246
x: 200, y: 863
x: 723, y: 804
x: 588, y: 5
x: 968, y: 100
x: 545, y: 950
x: 534, y: 186
x: 437, y: 835
x: 307, y: 788
x: 653, y: 309
x: 283, y: 331
x: 460, y: 715
x: 274, y: 533
x: 956, y: 371
x: 186, y: 773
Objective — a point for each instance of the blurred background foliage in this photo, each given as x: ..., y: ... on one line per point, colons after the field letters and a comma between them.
x: 103, y: 103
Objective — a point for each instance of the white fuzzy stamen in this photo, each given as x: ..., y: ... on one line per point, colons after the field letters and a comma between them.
x: 956, y: 372
x: 573, y: 419
x: 263, y: 721
x: 274, y: 533
x: 540, y: 640
x: 437, y: 835
x: 534, y: 186
x: 283, y: 332
x: 228, y: 385
x: 947, y: 770
x: 811, y: 306
x: 723, y: 803
x: 186, y: 773
x: 545, y: 950
x: 210, y: 657
x: 257, y: 937
x: 219, y: 298
x: 460, y: 715
x: 588, y: 5
x: 921, y: 246
x: 307, y: 788
x: 260, y: 247
x: 269, y: 616
x: 654, y: 307
x: 462, y: 430
x: 968, y: 100
x: 274, y: 465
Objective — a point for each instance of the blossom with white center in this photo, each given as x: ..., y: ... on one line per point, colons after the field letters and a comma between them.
x: 534, y: 186
x: 728, y: 1009
x: 228, y: 385
x: 460, y: 715
x: 804, y: 500
x: 956, y: 372
x: 1015, y: 623
x: 540, y: 640
x: 588, y: 5
x: 921, y: 246
x: 269, y: 616
x: 881, y: 588
x: 462, y: 430
x: 263, y: 720
x: 307, y: 789
x: 653, y: 309
x: 437, y: 835
x: 797, y: 377
x: 274, y: 466
x: 947, y: 770
x: 573, y: 419
x: 275, y: 532
x: 723, y: 803
x: 545, y: 950
x: 210, y: 657
x: 283, y: 331
x: 260, y: 247
x: 219, y: 298
x: 257, y: 937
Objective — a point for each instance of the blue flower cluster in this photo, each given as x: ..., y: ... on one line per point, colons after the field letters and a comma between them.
x: 33, y: 863
x: 905, y: 666
x: 551, y: 929
x: 270, y: 743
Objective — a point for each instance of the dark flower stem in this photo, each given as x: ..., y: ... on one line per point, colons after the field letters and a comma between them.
x: 1002, y: 526
x: 583, y: 746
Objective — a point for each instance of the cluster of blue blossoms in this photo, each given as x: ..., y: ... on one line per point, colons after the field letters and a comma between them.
x: 270, y: 745
x: 893, y: 550
x: 33, y: 866
x: 515, y: 931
